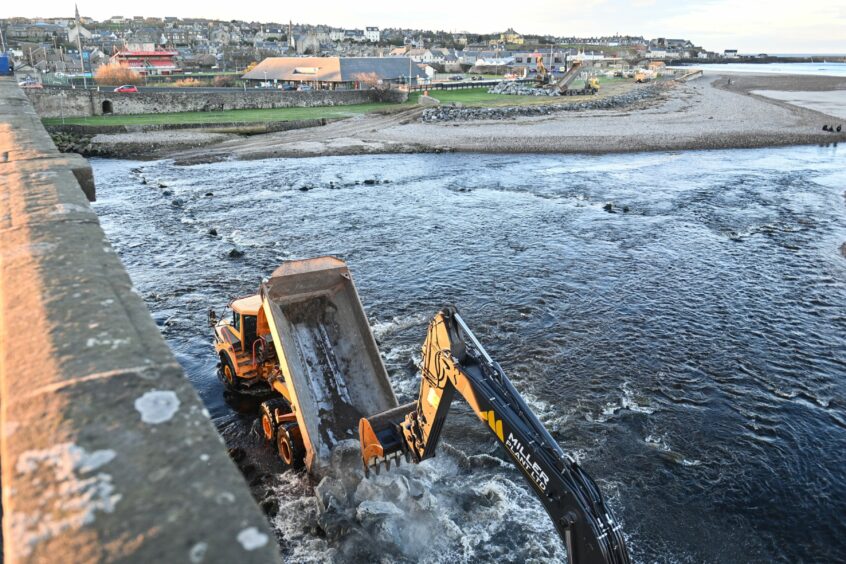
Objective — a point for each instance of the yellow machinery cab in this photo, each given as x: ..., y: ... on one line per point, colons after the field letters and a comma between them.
x: 237, y: 338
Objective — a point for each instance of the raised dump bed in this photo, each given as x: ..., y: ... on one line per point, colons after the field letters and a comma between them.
x: 327, y: 353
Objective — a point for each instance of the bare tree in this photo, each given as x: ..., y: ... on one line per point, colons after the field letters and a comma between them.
x: 115, y: 75
x: 371, y: 81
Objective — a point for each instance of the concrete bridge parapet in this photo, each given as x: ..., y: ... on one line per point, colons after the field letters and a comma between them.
x: 106, y: 451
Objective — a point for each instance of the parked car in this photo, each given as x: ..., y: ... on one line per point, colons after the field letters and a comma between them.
x: 126, y: 88
x: 304, y: 88
x: 456, y: 77
x: 30, y: 84
x: 288, y: 87
x: 477, y: 77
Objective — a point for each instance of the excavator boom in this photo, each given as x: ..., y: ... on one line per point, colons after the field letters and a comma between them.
x: 454, y: 360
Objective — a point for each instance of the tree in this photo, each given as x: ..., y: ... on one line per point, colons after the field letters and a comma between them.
x: 115, y: 75
x: 371, y: 81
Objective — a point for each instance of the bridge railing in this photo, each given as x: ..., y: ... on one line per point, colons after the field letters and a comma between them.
x: 106, y: 451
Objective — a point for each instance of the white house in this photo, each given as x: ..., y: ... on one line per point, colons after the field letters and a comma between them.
x: 372, y: 34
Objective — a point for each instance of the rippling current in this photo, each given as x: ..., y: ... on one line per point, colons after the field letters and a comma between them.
x: 687, y: 345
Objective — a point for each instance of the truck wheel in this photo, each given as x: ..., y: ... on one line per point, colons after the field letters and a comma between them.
x: 270, y: 411
x: 289, y: 443
x: 228, y: 374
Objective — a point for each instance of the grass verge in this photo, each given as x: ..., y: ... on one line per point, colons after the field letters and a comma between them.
x: 228, y: 116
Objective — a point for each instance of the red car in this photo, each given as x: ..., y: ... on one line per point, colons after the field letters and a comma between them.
x: 126, y: 88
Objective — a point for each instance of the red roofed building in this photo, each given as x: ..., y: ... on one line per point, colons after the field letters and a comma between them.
x: 148, y: 63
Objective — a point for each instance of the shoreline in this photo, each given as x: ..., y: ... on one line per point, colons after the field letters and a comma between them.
x: 718, y: 111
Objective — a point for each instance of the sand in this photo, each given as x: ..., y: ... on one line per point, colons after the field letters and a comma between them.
x: 832, y: 103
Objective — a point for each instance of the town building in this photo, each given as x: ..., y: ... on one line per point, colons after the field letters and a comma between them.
x: 148, y: 62
x: 372, y: 34
x: 334, y: 73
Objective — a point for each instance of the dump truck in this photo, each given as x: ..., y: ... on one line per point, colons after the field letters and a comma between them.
x: 304, y: 339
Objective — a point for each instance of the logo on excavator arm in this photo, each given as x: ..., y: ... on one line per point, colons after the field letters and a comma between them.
x: 532, y: 468
x: 514, y: 446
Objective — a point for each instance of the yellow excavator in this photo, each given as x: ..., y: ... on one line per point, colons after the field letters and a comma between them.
x: 455, y: 361
x: 545, y: 79
x: 304, y: 339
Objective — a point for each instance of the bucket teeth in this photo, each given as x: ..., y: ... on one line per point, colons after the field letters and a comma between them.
x: 376, y: 463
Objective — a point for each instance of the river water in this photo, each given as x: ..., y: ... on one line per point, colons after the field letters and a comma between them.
x: 687, y: 345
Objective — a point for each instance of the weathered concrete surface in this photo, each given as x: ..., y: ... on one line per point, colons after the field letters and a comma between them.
x: 106, y: 451
x: 15, y: 107
x: 54, y: 102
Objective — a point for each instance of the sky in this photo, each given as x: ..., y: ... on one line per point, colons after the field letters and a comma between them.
x: 752, y: 26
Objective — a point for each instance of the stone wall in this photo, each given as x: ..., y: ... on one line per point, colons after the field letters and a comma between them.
x: 107, y: 453
x: 56, y: 102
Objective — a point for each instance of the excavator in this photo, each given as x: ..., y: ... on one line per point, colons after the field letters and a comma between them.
x: 455, y: 361
x: 305, y: 339
x: 562, y: 84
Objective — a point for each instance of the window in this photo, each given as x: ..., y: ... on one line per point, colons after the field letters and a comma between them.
x: 519, y: 59
x: 528, y: 59
x: 236, y: 321
x: 557, y: 60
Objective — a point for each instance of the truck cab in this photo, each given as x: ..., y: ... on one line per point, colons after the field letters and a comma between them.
x: 236, y: 340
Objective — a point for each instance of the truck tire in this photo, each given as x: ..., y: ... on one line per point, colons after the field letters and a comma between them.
x: 228, y: 373
x: 270, y: 410
x: 289, y: 444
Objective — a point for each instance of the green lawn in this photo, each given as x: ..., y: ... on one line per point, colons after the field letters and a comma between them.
x: 278, y: 114
x: 480, y: 97
x: 468, y: 97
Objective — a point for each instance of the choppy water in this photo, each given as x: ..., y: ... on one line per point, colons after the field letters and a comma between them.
x: 689, y: 350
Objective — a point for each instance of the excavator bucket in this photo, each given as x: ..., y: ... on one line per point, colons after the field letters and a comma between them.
x: 382, y: 439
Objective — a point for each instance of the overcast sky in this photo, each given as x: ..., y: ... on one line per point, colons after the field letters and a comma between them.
x: 772, y: 26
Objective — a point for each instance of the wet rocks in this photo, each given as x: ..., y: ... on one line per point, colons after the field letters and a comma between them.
x: 843, y: 250
x: 212, y: 232
x: 521, y: 89
x: 449, y: 113
x: 371, y: 510
x: 235, y: 253
x: 71, y: 142
x: 270, y: 506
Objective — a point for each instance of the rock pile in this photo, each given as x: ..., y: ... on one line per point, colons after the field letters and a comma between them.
x: 522, y: 89
x: 72, y: 143
x: 446, y: 113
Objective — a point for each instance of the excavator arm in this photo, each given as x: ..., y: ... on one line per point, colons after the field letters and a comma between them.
x: 454, y: 360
